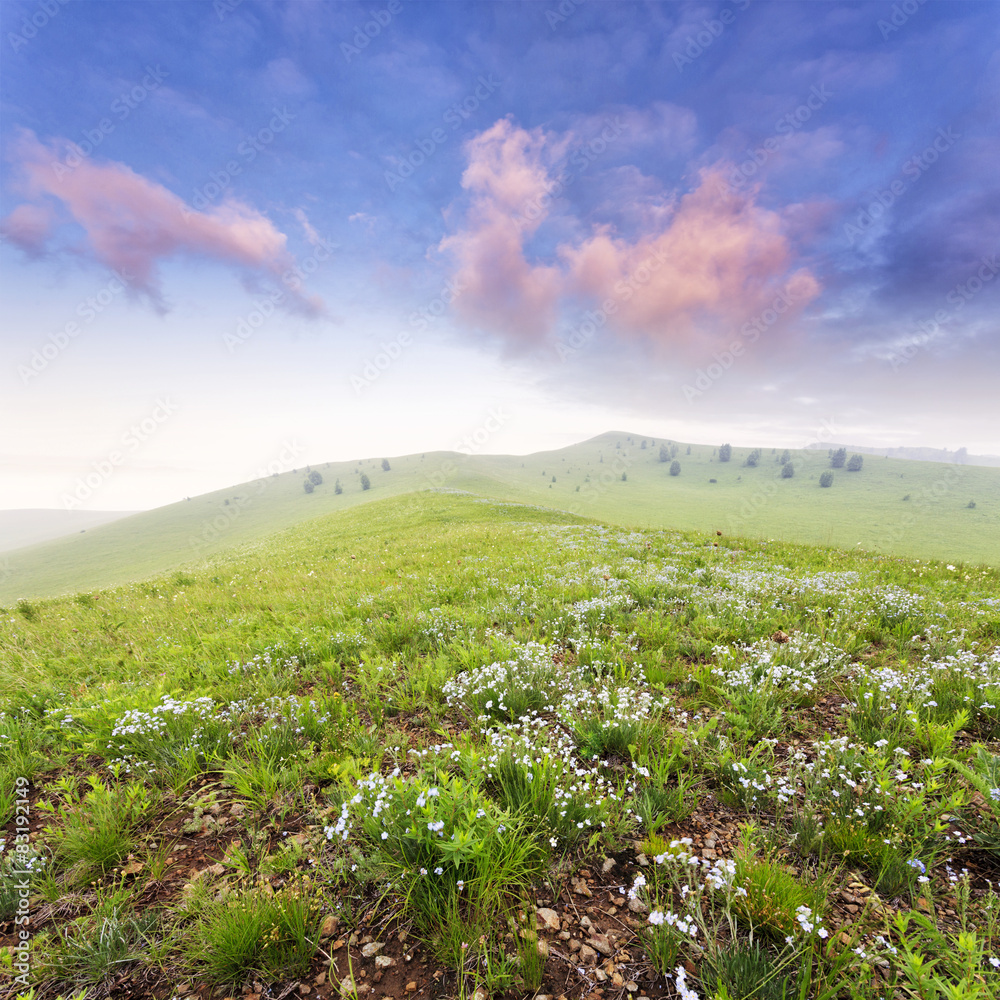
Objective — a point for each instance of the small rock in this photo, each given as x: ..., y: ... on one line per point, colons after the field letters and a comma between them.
x: 304, y: 988
x: 574, y: 945
x: 371, y: 949
x: 587, y: 955
x: 543, y: 947
x: 632, y: 986
x: 642, y: 860
x: 636, y: 905
x: 580, y: 887
x: 586, y: 924
x: 547, y: 918
x: 600, y: 942
x: 411, y: 987
x: 320, y: 979
x: 328, y: 928
x: 609, y: 863
x: 564, y: 935
x: 616, y: 980
x: 384, y: 962
x: 710, y: 842
x: 600, y: 975
x: 708, y: 853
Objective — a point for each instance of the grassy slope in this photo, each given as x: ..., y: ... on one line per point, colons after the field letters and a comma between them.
x: 863, y: 509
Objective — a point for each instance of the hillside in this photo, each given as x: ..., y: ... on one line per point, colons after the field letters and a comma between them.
x: 866, y: 509
x: 20, y: 528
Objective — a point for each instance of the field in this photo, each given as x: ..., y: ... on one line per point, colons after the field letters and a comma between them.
x: 446, y: 746
x: 918, y: 509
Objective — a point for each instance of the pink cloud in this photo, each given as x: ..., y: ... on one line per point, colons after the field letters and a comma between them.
x: 132, y: 224
x: 704, y: 264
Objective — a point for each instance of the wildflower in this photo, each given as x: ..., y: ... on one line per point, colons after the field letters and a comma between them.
x: 656, y: 918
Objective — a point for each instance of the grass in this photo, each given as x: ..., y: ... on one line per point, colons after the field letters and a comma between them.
x: 865, y: 510
x: 413, y: 720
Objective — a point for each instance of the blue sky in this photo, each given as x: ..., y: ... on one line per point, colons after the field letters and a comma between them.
x: 236, y: 231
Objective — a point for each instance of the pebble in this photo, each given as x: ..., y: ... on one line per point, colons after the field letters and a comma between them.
x: 609, y: 863
x: 547, y: 917
x: 587, y: 955
x: 371, y: 949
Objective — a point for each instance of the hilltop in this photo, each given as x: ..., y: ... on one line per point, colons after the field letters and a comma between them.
x: 918, y: 509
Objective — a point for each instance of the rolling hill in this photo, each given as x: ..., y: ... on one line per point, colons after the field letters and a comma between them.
x: 918, y: 509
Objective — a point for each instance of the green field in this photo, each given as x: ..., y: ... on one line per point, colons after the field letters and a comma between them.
x: 863, y: 510
x: 450, y: 747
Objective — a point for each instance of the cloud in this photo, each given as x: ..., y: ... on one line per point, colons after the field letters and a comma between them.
x: 132, y: 224
x: 699, y: 264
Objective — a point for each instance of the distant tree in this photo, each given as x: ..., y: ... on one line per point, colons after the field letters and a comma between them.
x: 787, y: 470
x: 366, y: 483
x: 642, y: 447
x: 385, y: 465
x: 752, y: 459
x: 675, y: 468
x: 838, y: 458
x: 308, y: 486
x: 664, y: 453
x: 784, y: 457
x: 673, y: 450
x: 624, y: 477
x: 855, y: 463
x: 826, y: 480
x: 337, y: 488
x: 553, y: 479
x: 971, y: 505
x: 713, y: 480
x: 725, y: 453
x: 315, y: 478
x: 688, y: 452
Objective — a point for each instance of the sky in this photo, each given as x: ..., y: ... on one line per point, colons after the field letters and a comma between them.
x: 239, y: 235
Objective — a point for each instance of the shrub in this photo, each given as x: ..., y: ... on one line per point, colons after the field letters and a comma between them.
x: 725, y: 452
x: 854, y: 465
x: 826, y: 480
x: 366, y: 483
x: 337, y: 488
x: 752, y: 459
x: 675, y: 468
x: 971, y: 505
x: 385, y: 465
x: 664, y: 453
x: 787, y: 470
x: 838, y: 458
x: 308, y: 486
x: 315, y: 478
x: 785, y: 457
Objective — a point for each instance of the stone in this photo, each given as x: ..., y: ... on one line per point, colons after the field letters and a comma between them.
x: 586, y: 924
x: 547, y: 918
x: 616, y: 980
x: 328, y: 928
x: 384, y: 962
x: 609, y: 863
x: 632, y: 986
x: 636, y: 905
x: 580, y: 887
x: 371, y: 949
x: 600, y: 942
x: 411, y: 987
x: 587, y: 955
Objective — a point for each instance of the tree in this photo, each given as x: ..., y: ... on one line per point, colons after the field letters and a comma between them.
x: 315, y: 478
x: 308, y: 486
x: 664, y: 453
x: 854, y: 465
x: 337, y: 488
x: 366, y: 483
x: 787, y: 470
x: 675, y: 468
x: 785, y: 457
x: 688, y: 452
x: 725, y: 453
x: 753, y: 458
x: 826, y: 480
x: 642, y: 447
x: 838, y: 458
x: 385, y: 465
x: 624, y: 477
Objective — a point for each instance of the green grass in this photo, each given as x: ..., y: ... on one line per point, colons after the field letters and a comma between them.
x: 440, y: 709
x: 863, y: 510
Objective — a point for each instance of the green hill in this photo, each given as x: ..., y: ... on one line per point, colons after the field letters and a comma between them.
x: 866, y: 509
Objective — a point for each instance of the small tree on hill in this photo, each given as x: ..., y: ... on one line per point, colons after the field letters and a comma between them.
x: 385, y: 465
x: 664, y: 453
x: 855, y: 463
x: 337, y: 488
x: 366, y: 483
x: 826, y: 479
x: 725, y: 452
x: 675, y: 468
x: 785, y: 457
x: 787, y: 470
x: 315, y: 478
x: 308, y: 486
x: 753, y: 458
x: 838, y: 458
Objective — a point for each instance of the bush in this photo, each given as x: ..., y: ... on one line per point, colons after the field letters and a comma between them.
x: 752, y: 459
x: 366, y: 483
x: 315, y: 478
x: 838, y: 458
x: 385, y: 465
x: 308, y: 486
x: 664, y: 453
x: 337, y: 488
x: 785, y: 457
x: 725, y: 453
x: 787, y: 470
x: 826, y: 479
x: 971, y: 505
x: 854, y: 465
x: 675, y: 468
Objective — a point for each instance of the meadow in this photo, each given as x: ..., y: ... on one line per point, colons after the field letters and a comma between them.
x: 448, y: 746
x: 891, y: 506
